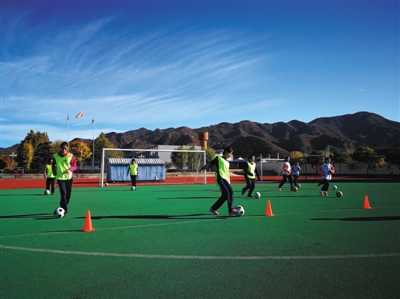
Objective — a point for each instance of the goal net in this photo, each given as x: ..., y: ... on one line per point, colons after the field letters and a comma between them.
x: 173, y: 166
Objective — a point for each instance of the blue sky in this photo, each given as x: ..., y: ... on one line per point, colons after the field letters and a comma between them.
x: 163, y: 64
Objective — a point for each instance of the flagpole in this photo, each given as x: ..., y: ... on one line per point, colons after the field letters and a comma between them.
x: 80, y: 115
x: 68, y: 128
x: 81, y: 137
x: 93, y: 145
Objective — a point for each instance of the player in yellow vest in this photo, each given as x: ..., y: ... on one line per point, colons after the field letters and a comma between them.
x: 49, y: 176
x: 133, y: 170
x: 64, y: 165
x: 250, y: 173
x: 222, y: 178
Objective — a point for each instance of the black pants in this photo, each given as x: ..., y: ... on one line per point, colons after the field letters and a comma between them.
x: 295, y: 180
x: 325, y: 187
x: 65, y: 187
x: 50, y: 183
x: 286, y: 178
x: 226, y: 195
x: 250, y: 185
x: 133, y: 180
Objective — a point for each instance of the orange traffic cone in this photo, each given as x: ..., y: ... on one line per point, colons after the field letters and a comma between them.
x: 269, y: 209
x: 366, y: 202
x: 88, y: 223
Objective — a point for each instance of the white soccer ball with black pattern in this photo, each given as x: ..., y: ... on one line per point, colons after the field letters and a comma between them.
x: 47, y: 192
x: 133, y: 188
x: 334, y: 187
x: 239, y: 211
x: 257, y: 195
x: 59, y: 213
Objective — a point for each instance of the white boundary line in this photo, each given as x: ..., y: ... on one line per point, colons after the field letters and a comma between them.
x: 199, y: 257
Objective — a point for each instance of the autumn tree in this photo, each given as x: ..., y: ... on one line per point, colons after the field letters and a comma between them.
x: 81, y: 151
x: 5, y: 161
x: 26, y: 150
x: 296, y: 156
x: 103, y: 142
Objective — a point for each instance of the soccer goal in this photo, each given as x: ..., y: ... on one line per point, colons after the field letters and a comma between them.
x: 175, y: 166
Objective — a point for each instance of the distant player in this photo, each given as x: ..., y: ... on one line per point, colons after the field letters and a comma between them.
x: 326, y: 170
x: 133, y: 170
x: 49, y: 176
x: 250, y: 173
x: 296, y: 172
x: 222, y: 178
x: 286, y: 174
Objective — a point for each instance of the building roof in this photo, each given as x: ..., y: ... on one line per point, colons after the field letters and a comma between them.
x: 140, y: 161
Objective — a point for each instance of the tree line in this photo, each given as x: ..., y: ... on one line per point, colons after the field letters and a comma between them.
x: 388, y: 158
x: 34, y: 151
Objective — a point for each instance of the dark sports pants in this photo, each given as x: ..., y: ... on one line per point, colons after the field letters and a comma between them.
x: 133, y: 180
x: 325, y: 187
x: 250, y: 185
x: 286, y: 178
x: 50, y: 182
x: 226, y: 195
x: 65, y: 187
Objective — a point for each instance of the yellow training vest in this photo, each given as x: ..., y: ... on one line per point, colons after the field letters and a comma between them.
x: 223, y: 170
x: 133, y: 169
x: 251, y: 168
x: 49, y: 171
x: 63, y: 164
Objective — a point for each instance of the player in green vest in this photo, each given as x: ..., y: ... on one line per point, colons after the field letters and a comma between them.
x: 133, y: 170
x: 222, y: 178
x: 250, y: 173
x: 49, y: 176
x: 64, y: 165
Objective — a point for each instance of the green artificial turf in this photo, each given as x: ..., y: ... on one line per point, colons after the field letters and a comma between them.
x: 161, y: 242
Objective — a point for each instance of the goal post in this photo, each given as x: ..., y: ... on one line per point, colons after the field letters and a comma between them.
x: 193, y: 161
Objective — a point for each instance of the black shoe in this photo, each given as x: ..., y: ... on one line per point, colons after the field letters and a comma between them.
x: 243, y: 191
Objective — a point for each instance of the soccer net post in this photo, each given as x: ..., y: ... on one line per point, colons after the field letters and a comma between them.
x: 181, y: 165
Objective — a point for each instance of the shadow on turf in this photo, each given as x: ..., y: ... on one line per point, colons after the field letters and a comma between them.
x: 378, y: 218
x: 41, y: 216
x: 188, y: 216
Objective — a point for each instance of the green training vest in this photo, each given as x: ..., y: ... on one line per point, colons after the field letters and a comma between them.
x: 223, y: 170
x: 251, y: 168
x: 63, y: 164
x: 133, y: 169
x: 49, y: 171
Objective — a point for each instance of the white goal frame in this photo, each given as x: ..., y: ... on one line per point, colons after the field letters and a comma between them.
x: 146, y: 150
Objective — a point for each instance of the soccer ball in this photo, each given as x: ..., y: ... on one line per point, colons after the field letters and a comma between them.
x: 339, y: 193
x: 106, y: 184
x: 133, y: 188
x: 334, y: 187
x: 257, y: 195
x: 59, y: 213
x: 47, y: 192
x: 294, y: 189
x: 240, y: 211
x: 298, y: 186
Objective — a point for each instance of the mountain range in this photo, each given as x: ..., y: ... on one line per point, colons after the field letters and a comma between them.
x: 247, y: 137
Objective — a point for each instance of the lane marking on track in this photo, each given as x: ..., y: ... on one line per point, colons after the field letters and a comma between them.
x: 199, y: 257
